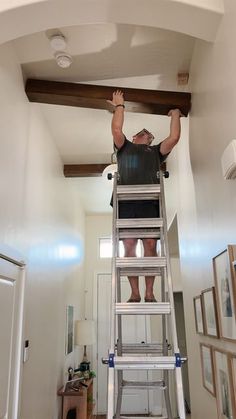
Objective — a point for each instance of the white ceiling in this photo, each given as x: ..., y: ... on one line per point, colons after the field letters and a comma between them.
x: 109, y: 51
x: 118, y: 55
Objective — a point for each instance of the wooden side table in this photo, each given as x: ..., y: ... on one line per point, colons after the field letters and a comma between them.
x: 81, y: 401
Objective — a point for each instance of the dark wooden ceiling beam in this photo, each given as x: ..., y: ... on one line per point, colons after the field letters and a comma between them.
x: 84, y: 170
x: 90, y: 170
x: 93, y: 96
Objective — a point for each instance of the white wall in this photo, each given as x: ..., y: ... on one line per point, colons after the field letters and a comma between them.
x: 97, y: 226
x: 40, y: 219
x: 206, y: 204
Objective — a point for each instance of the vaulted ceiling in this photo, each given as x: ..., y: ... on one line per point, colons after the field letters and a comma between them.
x: 136, y: 46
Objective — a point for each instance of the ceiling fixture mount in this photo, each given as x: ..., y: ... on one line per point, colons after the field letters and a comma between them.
x: 58, y: 43
x: 183, y: 78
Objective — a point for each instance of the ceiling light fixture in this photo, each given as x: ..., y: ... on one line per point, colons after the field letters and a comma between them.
x: 63, y: 59
x: 58, y: 43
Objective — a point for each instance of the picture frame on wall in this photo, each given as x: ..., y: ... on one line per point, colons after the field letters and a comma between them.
x: 210, y: 315
x: 208, y: 376
x: 225, y: 399
x: 225, y: 287
x: 198, y: 313
x: 69, y: 329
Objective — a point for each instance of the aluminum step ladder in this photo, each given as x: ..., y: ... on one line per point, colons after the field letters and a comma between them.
x: 143, y: 356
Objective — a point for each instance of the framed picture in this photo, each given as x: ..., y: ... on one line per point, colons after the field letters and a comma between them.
x: 210, y: 318
x: 224, y: 385
x: 208, y: 377
x: 69, y: 329
x: 198, y: 312
x: 224, y: 276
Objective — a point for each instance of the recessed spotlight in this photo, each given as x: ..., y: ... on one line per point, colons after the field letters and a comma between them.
x: 63, y: 59
x: 58, y: 42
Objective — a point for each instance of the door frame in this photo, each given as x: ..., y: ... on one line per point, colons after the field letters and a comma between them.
x: 15, y: 373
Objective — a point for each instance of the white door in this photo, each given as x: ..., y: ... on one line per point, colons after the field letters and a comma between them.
x: 11, y: 304
x: 134, y: 330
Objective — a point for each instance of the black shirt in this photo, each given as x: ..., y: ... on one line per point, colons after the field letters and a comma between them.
x: 138, y: 163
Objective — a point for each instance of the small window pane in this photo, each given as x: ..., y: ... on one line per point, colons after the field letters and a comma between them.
x: 105, y: 247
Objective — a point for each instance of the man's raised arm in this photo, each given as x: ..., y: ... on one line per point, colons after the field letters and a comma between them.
x: 118, y: 118
x: 175, y: 130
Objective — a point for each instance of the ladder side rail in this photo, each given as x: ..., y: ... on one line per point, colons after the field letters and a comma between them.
x: 119, y: 342
x: 178, y: 370
x: 164, y: 318
x: 119, y: 319
x: 114, y: 270
x: 164, y: 332
x: 110, y: 393
x: 163, y: 298
x: 111, y: 370
x: 168, y: 268
x: 119, y: 393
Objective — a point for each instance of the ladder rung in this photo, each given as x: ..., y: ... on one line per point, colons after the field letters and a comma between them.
x: 128, y: 192
x: 144, y: 363
x: 139, y: 222
x: 142, y: 417
x: 142, y: 308
x: 141, y: 272
x: 138, y: 234
x: 137, y: 197
x: 142, y: 385
x: 142, y: 348
x: 146, y: 262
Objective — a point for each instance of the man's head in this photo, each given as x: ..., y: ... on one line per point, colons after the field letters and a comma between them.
x: 143, y: 137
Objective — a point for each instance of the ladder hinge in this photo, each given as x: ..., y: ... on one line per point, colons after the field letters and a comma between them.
x: 111, y: 360
x: 178, y: 362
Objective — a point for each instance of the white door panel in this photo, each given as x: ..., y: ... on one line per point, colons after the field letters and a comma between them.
x: 6, y: 319
x: 11, y: 319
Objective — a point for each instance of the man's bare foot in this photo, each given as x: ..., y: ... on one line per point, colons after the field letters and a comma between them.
x: 134, y: 299
x: 150, y: 298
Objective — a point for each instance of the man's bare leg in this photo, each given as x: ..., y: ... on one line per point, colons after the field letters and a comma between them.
x: 130, y: 251
x: 150, y: 249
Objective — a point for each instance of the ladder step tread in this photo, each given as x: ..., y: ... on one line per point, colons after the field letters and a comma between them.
x: 138, y: 189
x: 142, y: 348
x: 138, y: 234
x: 143, y: 308
x: 139, y: 222
x: 145, y: 262
x: 137, y: 196
x: 143, y: 384
x: 147, y: 362
x: 140, y: 271
x: 141, y: 417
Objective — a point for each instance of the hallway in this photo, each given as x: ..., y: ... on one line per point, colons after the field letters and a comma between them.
x: 54, y: 223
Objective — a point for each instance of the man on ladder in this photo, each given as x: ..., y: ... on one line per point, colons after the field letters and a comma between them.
x: 139, y: 163
x: 139, y: 213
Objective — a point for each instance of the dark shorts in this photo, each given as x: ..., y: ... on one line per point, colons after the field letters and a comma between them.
x: 139, y: 209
